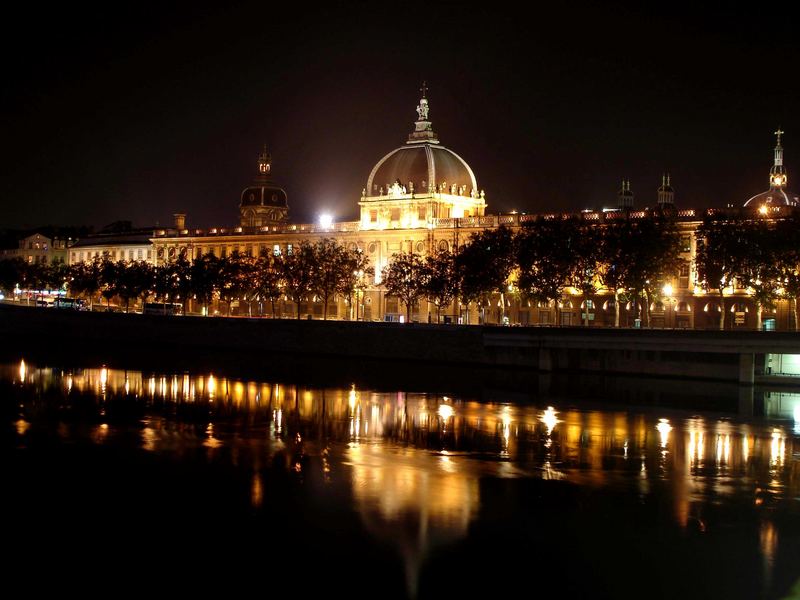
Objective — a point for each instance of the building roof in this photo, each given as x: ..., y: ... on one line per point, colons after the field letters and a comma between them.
x: 130, y: 238
x: 423, y: 165
x: 774, y: 196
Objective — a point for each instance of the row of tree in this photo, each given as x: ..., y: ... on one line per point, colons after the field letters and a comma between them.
x: 323, y: 270
x: 632, y: 258
x: 760, y: 255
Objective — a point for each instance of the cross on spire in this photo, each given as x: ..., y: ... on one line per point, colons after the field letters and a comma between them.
x: 424, y: 90
x: 779, y: 133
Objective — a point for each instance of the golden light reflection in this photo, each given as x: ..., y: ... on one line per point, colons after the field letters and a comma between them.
x: 778, y: 447
x: 22, y: 426
x: 256, y: 491
x: 550, y: 419
x: 446, y: 411
x: 664, y: 429
x: 23, y: 370
x: 584, y: 446
x: 211, y: 388
x: 768, y: 538
x: 149, y: 438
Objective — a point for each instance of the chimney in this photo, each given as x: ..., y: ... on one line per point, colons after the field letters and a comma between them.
x: 180, y: 221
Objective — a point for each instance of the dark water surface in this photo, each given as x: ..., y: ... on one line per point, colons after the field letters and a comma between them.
x: 160, y: 482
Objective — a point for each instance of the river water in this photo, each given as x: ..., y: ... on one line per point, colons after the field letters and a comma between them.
x: 159, y: 482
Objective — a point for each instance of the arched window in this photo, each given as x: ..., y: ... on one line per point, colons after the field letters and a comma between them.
x: 683, y: 307
x: 609, y: 305
x: 712, y: 307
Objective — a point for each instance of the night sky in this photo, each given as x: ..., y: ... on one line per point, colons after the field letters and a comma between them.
x: 137, y: 113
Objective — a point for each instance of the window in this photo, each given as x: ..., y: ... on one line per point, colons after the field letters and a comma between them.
x: 686, y: 243
x: 149, y: 254
x: 422, y: 213
x: 130, y: 254
x: 223, y: 253
x: 289, y: 249
x: 276, y: 250
x: 139, y: 254
x: 373, y: 216
x: 395, y: 214
x: 684, y: 270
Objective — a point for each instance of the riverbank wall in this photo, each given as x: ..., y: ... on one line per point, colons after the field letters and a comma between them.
x: 719, y: 355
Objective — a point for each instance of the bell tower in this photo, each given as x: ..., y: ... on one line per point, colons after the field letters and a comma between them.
x: 777, y: 174
x: 263, y: 204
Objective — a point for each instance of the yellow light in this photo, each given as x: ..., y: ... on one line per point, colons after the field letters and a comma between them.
x: 446, y: 411
x: 664, y: 428
x: 667, y: 289
x: 763, y: 209
x: 549, y: 418
x: 23, y: 370
x: 351, y: 397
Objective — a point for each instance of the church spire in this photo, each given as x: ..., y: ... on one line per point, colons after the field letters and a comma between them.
x: 423, y: 131
x: 625, y: 196
x: 666, y: 195
x: 777, y: 174
x: 264, y: 164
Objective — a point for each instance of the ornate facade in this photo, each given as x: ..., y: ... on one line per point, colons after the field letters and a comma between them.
x: 422, y: 196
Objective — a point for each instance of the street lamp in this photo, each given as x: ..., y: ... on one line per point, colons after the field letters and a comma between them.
x: 325, y: 221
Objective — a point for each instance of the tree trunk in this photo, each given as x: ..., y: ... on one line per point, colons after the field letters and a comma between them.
x: 616, y: 309
x: 647, y: 308
x: 556, y: 314
x: 298, y: 309
x: 794, y: 312
x: 722, y: 316
x: 408, y: 312
x: 758, y: 316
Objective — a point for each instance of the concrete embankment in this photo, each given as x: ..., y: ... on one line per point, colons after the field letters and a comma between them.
x: 731, y: 356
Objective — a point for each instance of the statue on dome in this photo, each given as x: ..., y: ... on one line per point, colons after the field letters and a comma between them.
x: 422, y: 110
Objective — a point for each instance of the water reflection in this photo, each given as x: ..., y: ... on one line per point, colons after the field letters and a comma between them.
x: 418, y: 459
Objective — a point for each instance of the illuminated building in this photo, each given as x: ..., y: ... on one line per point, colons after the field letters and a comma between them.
x: 37, y: 248
x: 422, y: 197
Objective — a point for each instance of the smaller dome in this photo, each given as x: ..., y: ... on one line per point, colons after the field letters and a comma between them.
x: 264, y: 195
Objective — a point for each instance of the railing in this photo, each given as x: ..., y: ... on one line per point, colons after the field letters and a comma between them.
x: 511, y: 219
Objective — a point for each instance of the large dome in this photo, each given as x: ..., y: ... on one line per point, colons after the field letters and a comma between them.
x: 421, y: 167
x: 774, y: 197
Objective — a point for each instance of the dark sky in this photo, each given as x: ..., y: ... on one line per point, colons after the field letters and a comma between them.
x: 137, y: 112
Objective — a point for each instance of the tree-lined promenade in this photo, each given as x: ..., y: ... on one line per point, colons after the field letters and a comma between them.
x: 632, y: 261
